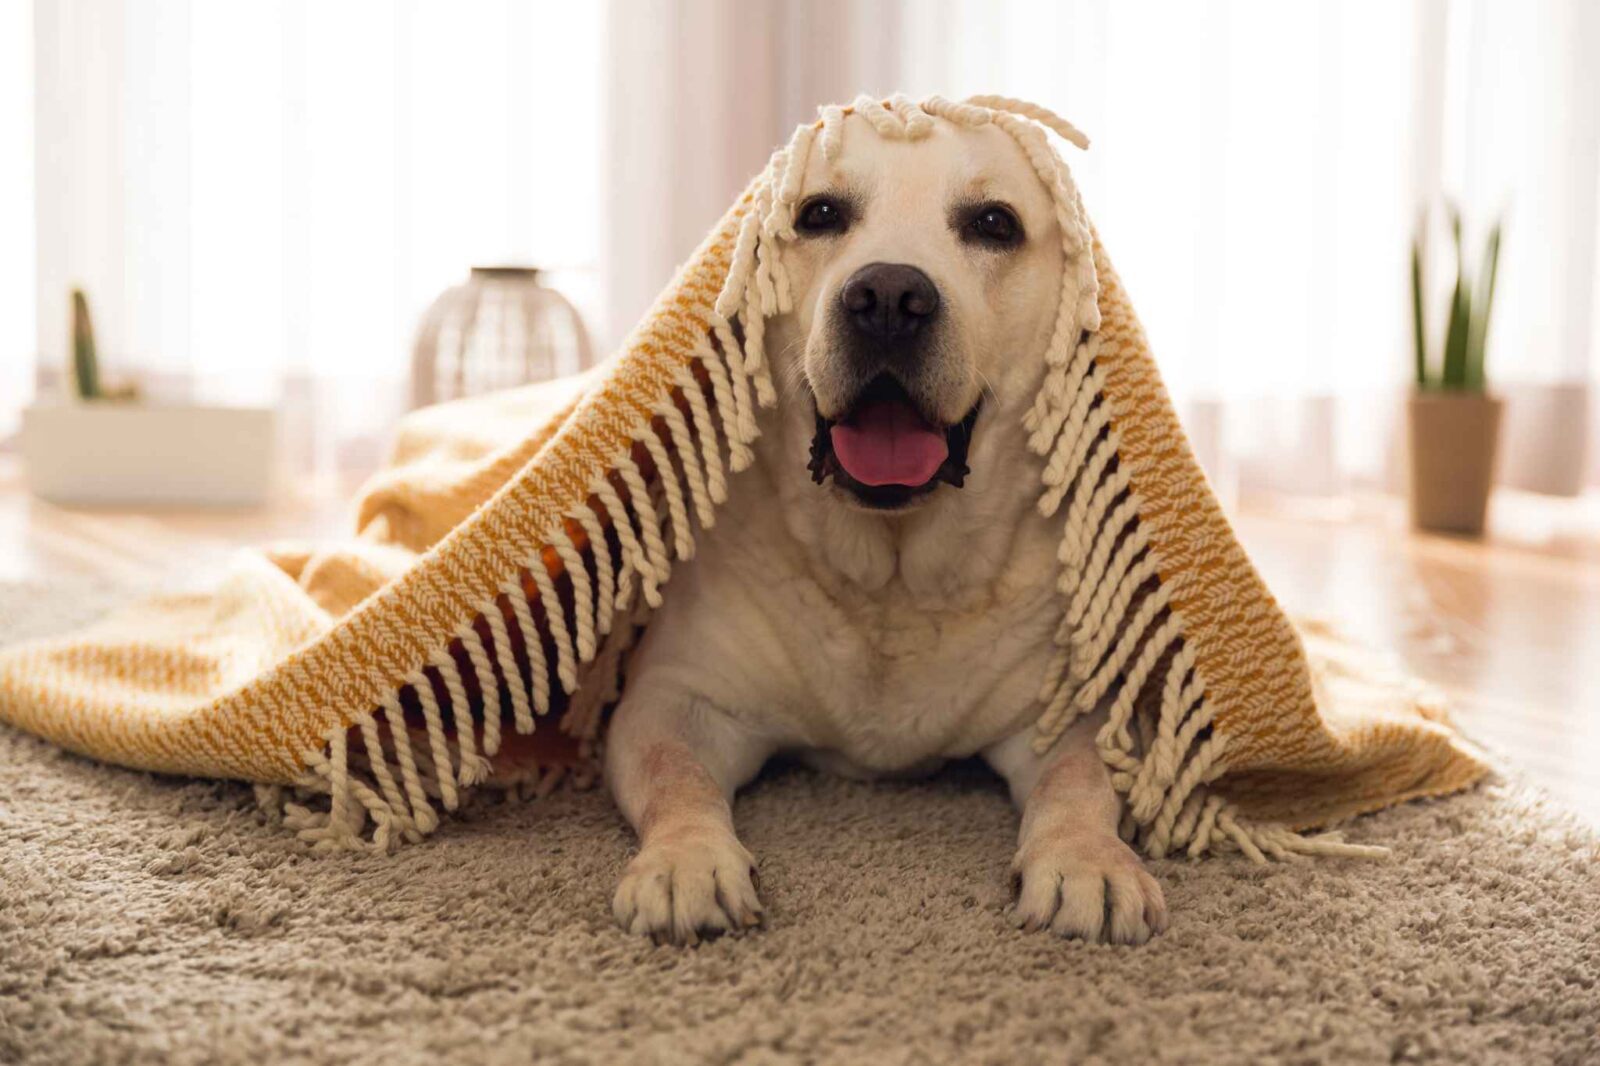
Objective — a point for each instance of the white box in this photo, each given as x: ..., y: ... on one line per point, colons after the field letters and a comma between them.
x: 131, y: 453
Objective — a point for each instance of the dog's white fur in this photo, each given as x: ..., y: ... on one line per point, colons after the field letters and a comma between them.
x: 866, y: 642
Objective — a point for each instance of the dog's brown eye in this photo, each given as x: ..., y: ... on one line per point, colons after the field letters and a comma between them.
x: 821, y: 215
x: 994, y: 224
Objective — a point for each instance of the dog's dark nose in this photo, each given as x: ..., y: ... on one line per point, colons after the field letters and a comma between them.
x: 889, y: 301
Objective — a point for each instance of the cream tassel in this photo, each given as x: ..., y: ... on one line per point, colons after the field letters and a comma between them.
x: 832, y: 132
x: 1131, y: 568
x: 1041, y: 115
x: 556, y: 618
x: 422, y: 811
x: 1133, y: 681
x: 649, y: 529
x: 634, y: 557
x: 1096, y: 634
x: 706, y: 430
x: 1079, y: 583
x: 888, y: 125
x: 583, y: 605
x: 744, y: 428
x: 488, y: 687
x: 505, y: 655
x: 605, y: 575
x: 379, y: 762
x: 473, y: 767
x: 917, y: 123
x: 672, y: 489
x: 532, y: 640
x: 688, y: 455
x: 431, y: 714
x: 961, y: 114
x: 781, y: 219
x: 739, y: 453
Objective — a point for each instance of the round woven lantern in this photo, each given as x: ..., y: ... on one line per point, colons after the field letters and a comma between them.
x: 498, y: 329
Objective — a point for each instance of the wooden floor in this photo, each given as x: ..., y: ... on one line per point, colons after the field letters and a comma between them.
x: 1508, y: 626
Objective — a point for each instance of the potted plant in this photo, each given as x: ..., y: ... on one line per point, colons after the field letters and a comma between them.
x: 1454, y: 421
x: 104, y: 445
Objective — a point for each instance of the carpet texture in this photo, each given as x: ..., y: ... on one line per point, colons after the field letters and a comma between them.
x: 147, y: 919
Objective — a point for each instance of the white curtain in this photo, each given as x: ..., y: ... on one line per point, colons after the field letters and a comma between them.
x: 698, y: 92
x: 1249, y: 172
x: 16, y: 211
x: 261, y: 199
x: 1256, y: 169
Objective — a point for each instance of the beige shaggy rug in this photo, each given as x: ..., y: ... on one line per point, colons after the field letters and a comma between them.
x: 147, y: 919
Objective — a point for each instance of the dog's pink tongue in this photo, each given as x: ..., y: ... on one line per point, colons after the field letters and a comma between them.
x: 889, y: 444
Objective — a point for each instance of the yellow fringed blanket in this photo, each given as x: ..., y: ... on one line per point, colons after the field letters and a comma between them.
x: 477, y: 626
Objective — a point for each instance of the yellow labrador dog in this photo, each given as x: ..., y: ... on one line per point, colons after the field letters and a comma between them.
x: 871, y: 600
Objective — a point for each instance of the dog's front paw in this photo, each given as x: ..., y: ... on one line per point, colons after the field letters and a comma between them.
x: 1094, y: 888
x: 681, y: 889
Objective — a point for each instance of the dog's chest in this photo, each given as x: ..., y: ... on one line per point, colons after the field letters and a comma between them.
x: 894, y: 684
x: 885, y: 678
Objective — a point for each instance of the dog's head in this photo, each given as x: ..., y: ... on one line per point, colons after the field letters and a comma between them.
x: 927, y: 274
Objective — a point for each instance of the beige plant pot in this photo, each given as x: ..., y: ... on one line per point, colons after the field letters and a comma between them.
x: 1454, y: 440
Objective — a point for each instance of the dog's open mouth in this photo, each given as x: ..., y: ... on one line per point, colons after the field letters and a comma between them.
x: 885, y: 452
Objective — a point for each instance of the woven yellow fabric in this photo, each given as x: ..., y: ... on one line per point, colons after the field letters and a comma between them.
x: 499, y: 575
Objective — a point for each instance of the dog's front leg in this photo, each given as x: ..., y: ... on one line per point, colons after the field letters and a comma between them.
x: 1074, y: 875
x: 673, y: 763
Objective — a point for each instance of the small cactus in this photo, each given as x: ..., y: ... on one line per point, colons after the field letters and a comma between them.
x: 85, y: 361
x: 1467, y: 327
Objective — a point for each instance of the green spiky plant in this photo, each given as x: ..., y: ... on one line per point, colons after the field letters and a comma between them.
x: 86, y: 377
x: 85, y: 359
x: 1461, y: 367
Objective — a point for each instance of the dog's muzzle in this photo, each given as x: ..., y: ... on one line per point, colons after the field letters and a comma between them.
x: 885, y: 452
